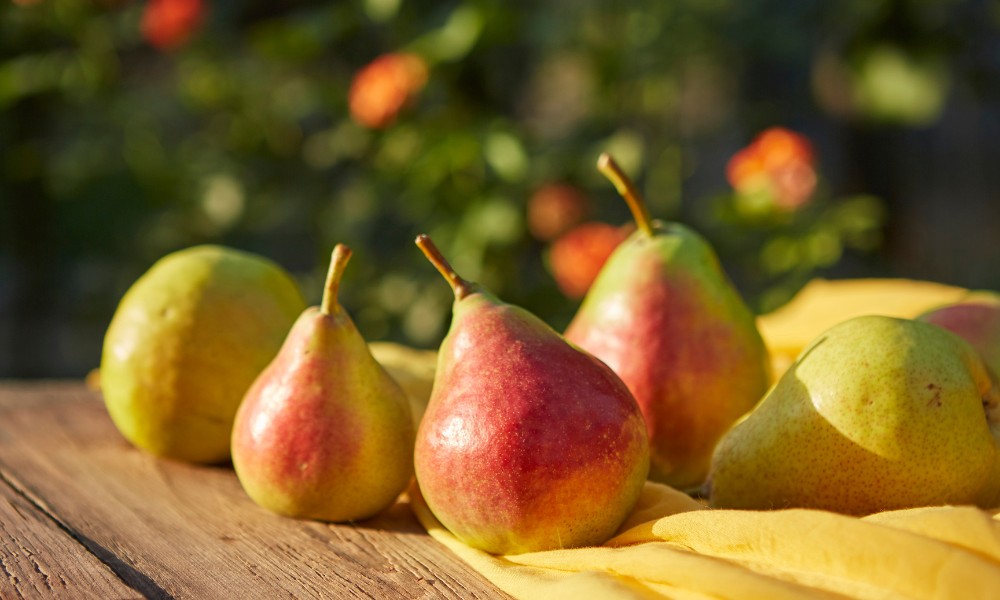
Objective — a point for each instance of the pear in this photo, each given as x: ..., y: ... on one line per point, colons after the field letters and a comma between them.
x: 528, y: 443
x: 186, y: 341
x: 324, y: 432
x: 976, y: 319
x: 878, y: 413
x: 664, y: 316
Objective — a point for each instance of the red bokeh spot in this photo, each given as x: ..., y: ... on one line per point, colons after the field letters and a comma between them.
x: 577, y: 257
x: 779, y: 162
x: 554, y: 209
x: 168, y: 24
x: 384, y: 86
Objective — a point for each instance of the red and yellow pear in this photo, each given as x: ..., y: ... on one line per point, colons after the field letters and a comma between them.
x: 324, y: 432
x: 528, y: 443
x: 974, y: 318
x: 664, y: 316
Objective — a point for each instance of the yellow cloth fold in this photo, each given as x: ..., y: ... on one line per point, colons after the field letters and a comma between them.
x: 823, y: 303
x: 673, y: 547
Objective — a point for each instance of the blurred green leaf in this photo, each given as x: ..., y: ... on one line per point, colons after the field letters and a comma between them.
x: 454, y: 39
x: 892, y: 85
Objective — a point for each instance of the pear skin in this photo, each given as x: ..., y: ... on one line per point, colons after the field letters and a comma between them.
x: 187, y: 340
x: 665, y: 317
x: 324, y: 432
x: 528, y: 443
x: 976, y: 319
x: 879, y: 413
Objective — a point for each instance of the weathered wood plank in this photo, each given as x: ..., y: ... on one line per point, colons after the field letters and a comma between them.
x: 170, y: 529
x: 40, y: 560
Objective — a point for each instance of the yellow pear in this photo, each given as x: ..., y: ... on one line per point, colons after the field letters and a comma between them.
x: 185, y: 343
x: 878, y: 413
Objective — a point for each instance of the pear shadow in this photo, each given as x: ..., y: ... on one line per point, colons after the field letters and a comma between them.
x: 397, y: 519
x: 129, y: 575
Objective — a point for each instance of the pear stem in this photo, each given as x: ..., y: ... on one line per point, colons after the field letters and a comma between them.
x: 610, y: 169
x: 338, y: 261
x: 460, y: 286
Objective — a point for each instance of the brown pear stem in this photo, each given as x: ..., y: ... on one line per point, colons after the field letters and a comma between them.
x: 338, y: 262
x: 610, y: 169
x: 460, y: 286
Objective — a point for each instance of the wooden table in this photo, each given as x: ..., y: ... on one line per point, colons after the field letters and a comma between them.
x: 85, y: 515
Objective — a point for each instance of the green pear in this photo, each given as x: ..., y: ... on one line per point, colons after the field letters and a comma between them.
x: 324, y: 432
x: 664, y: 316
x: 528, y: 443
x: 878, y: 413
x: 186, y: 341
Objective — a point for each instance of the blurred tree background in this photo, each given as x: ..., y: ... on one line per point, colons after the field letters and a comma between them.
x: 129, y: 129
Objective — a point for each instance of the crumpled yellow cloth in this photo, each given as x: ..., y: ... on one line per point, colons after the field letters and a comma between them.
x: 673, y: 547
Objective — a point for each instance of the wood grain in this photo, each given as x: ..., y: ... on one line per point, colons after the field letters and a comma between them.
x: 39, y: 559
x: 118, y: 522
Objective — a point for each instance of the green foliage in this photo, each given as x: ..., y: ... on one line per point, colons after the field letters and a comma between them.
x: 243, y: 136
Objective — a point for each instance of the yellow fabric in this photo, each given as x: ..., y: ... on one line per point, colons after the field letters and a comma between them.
x: 674, y: 547
x: 823, y: 303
